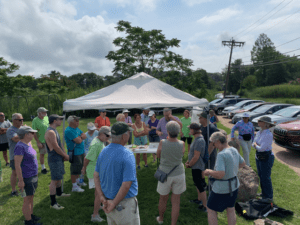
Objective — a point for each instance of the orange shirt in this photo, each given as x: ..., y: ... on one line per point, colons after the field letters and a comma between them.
x: 101, y: 122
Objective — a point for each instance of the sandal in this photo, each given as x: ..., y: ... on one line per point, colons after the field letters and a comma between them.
x: 159, y: 222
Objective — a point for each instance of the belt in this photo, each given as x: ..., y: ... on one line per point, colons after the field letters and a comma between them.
x: 229, y: 183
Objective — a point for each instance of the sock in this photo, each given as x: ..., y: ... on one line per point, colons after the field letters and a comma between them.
x: 58, y: 191
x: 75, y: 185
x: 77, y: 180
x: 53, y: 199
x: 43, y: 166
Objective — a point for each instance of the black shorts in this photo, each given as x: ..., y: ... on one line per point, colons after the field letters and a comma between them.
x: 31, y: 185
x: 76, y: 166
x: 189, y: 140
x: 4, y: 147
x: 12, y: 164
x: 199, y: 182
x: 220, y: 202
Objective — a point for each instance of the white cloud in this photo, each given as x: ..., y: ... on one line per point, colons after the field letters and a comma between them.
x: 195, y: 2
x: 148, y: 5
x: 219, y: 16
x: 41, y: 36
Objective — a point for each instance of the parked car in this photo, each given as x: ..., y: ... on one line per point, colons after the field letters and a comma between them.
x: 284, y: 115
x: 218, y: 107
x: 248, y: 108
x: 215, y: 101
x: 262, y: 110
x: 287, y: 135
x: 220, y: 95
x: 238, y: 105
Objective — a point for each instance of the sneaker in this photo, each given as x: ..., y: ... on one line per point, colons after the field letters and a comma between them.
x: 82, y: 184
x: 97, y: 219
x: 77, y: 189
x: 35, y: 218
x: 146, y: 165
x: 138, y: 167
x: 158, y: 221
x: 63, y: 195
x: 196, y: 201
x: 44, y: 171
x: 14, y: 193
x: 56, y: 206
x: 202, y: 208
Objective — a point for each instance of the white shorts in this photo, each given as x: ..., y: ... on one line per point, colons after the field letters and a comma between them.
x: 91, y: 183
x: 176, y: 184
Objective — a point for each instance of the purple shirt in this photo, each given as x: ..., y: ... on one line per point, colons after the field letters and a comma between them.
x: 29, y: 164
x: 153, y: 125
x: 162, y: 126
x: 244, y: 128
x: 128, y: 119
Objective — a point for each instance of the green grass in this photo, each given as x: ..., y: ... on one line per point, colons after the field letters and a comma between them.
x: 79, y: 206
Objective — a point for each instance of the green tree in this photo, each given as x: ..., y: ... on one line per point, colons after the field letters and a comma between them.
x: 250, y: 82
x: 145, y: 51
x: 7, y: 84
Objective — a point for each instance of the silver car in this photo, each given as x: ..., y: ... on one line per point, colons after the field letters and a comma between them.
x: 239, y: 105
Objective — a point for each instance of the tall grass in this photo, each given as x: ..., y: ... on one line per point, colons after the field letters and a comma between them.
x: 278, y: 91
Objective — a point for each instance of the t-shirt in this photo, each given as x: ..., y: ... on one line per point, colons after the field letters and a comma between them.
x: 153, y: 132
x: 115, y: 165
x: 88, y: 140
x: 102, y: 122
x: 145, y: 118
x: 3, y: 138
x: 41, y: 126
x: 10, y: 133
x: 162, y: 126
x: 185, y: 123
x: 70, y: 134
x: 212, y: 129
x: 228, y: 160
x: 96, y: 147
x: 198, y: 145
x: 29, y: 164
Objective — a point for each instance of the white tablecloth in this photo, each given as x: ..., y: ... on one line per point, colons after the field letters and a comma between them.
x: 151, y: 149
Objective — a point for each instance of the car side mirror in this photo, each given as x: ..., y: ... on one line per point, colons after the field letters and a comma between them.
x: 269, y: 112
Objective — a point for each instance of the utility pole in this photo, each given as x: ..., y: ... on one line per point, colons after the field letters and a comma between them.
x: 232, y: 43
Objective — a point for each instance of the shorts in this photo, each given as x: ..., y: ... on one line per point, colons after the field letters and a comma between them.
x: 43, y: 150
x: 154, y: 138
x: 220, y: 202
x: 189, y: 140
x: 12, y: 164
x: 176, y: 184
x: 91, y: 183
x: 140, y: 140
x: 199, y: 182
x: 77, y: 164
x: 4, y: 147
x: 57, y: 170
x: 31, y: 185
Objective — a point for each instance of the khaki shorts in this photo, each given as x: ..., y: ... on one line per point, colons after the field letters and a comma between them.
x: 128, y: 216
x: 43, y: 150
x: 91, y: 183
x: 176, y: 184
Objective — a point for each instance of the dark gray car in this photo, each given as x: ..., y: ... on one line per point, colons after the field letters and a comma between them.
x: 218, y: 107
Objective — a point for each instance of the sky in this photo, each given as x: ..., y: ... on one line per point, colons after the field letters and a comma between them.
x: 74, y: 36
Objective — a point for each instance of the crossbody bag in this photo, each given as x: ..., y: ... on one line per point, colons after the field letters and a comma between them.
x: 161, y: 175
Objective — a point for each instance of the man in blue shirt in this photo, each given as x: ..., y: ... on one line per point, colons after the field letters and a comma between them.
x: 115, y: 179
x: 74, y: 139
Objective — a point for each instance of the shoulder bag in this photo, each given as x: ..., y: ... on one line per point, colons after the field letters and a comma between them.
x: 161, y: 175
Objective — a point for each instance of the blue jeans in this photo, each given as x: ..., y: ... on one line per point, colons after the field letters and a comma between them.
x: 264, y: 172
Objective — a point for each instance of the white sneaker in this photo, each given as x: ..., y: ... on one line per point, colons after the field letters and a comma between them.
x: 77, y: 189
x: 97, y: 219
x: 63, y: 195
x: 57, y: 206
x: 82, y: 184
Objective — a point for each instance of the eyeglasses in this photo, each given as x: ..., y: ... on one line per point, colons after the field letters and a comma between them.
x: 31, y: 133
x: 20, y: 120
x: 107, y: 135
x: 2, y: 115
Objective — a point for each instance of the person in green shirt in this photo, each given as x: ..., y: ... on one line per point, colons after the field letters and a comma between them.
x: 90, y: 162
x: 41, y: 123
x: 186, y: 121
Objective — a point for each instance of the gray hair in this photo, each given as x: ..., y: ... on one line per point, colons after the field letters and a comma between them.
x: 15, y: 115
x: 173, y: 128
x: 218, y: 136
x: 116, y: 138
x: 119, y: 116
x: 167, y: 109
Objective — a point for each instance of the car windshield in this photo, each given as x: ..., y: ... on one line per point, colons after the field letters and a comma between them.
x: 239, y: 104
x: 223, y: 101
x: 216, y: 101
x: 287, y: 112
x: 263, y: 108
x: 251, y: 106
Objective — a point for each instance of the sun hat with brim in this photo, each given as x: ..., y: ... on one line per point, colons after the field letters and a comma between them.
x: 91, y: 127
x: 203, y: 114
x: 55, y: 117
x: 194, y: 126
x: 151, y: 113
x: 105, y: 130
x: 120, y: 128
x: 146, y: 108
x: 266, y: 119
x: 25, y: 130
x: 42, y: 109
x: 72, y: 117
x: 245, y: 115
x: 125, y: 111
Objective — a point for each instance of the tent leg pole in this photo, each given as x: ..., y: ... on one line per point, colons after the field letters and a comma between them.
x: 64, y: 115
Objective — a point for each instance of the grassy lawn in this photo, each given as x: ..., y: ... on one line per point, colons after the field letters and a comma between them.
x: 79, y: 207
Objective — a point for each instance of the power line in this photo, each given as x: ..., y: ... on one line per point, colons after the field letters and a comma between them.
x: 268, y: 64
x: 224, y: 59
x: 288, y: 42
x: 260, y: 18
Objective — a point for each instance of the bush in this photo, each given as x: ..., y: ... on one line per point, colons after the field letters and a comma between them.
x: 243, y: 93
x: 250, y: 82
x: 279, y: 91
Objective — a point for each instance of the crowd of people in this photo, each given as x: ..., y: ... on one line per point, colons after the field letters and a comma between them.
x: 111, y: 168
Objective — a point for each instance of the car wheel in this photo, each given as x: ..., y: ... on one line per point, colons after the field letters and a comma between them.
x: 219, y: 111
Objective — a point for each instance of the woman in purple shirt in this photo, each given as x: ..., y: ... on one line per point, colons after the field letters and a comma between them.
x: 26, y: 165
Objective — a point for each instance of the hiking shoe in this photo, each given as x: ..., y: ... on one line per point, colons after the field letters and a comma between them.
x: 7, y: 164
x: 82, y: 184
x: 63, y: 195
x: 146, y: 165
x: 77, y: 189
x: 31, y: 222
x: 56, y: 206
x: 158, y: 221
x: 97, y: 219
x: 138, y: 167
x: 202, y: 208
x: 196, y: 201
x: 44, y: 171
x: 14, y: 194
x: 35, y: 218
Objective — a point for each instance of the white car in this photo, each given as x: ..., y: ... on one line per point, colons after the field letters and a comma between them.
x: 238, y: 105
x: 284, y: 115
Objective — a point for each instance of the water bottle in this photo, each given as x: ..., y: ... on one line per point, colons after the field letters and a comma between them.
x: 81, y: 178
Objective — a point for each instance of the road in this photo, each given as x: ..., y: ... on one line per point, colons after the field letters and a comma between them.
x: 285, y: 156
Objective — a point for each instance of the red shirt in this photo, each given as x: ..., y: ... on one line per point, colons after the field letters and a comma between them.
x: 102, y: 122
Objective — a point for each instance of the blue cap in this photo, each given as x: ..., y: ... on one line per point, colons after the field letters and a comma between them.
x: 102, y: 110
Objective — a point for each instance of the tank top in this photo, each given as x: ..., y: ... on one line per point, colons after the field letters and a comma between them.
x: 140, y: 129
x: 53, y: 156
x: 171, y: 156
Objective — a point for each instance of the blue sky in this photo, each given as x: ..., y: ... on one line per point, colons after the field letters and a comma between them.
x: 75, y: 36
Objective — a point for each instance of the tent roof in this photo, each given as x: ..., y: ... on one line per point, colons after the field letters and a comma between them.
x: 138, y: 91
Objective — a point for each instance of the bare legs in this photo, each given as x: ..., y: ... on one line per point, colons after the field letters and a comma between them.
x: 96, y: 204
x: 42, y: 159
x: 138, y: 158
x: 213, y: 216
x: 73, y: 178
x: 162, y: 206
x: 5, y: 156
x: 27, y: 208
x: 231, y: 217
x: 202, y: 197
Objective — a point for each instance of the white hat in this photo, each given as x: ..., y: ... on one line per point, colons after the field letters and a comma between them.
x: 126, y: 111
x: 91, y: 127
x: 151, y: 113
x: 245, y: 115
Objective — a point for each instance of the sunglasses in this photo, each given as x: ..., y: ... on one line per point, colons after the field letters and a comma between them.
x: 107, y: 135
x: 31, y: 133
x: 2, y: 115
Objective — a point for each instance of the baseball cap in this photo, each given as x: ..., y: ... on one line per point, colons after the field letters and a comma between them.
x: 194, y: 126
x: 102, y: 110
x: 54, y: 117
x: 91, y: 127
x: 245, y: 115
x: 72, y: 117
x: 151, y: 113
x: 105, y: 130
x: 120, y: 128
x: 203, y: 114
x: 126, y: 111
x: 42, y: 109
x: 25, y: 130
